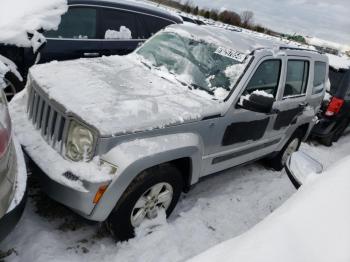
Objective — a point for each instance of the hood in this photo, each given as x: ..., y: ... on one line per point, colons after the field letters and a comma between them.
x: 119, y: 95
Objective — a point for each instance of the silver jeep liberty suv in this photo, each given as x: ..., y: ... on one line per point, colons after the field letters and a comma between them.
x: 119, y: 138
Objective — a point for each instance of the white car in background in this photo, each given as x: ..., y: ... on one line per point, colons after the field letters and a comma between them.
x: 313, y: 225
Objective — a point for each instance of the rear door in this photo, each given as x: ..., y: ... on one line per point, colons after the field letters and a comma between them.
x: 76, y: 36
x: 293, y: 102
x: 122, y: 31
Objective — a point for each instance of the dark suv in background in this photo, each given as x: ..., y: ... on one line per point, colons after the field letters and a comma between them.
x: 91, y: 28
x: 334, y: 116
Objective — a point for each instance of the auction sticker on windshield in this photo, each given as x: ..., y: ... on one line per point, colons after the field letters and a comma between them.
x: 230, y: 53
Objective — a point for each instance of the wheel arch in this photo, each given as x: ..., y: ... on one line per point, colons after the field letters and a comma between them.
x: 184, y: 153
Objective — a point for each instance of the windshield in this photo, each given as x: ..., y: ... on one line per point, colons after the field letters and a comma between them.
x: 199, y: 64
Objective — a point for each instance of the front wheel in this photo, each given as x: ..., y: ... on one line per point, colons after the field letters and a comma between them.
x: 293, y: 144
x: 154, y: 189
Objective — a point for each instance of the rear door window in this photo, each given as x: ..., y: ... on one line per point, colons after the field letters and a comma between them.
x: 120, y: 25
x: 297, y: 77
x: 77, y: 23
x: 319, y: 77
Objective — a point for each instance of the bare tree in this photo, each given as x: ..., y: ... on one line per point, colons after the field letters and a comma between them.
x: 195, y: 10
x: 230, y: 17
x: 214, y: 14
x: 247, y: 18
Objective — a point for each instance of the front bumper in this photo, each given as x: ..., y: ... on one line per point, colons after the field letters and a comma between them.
x: 15, y: 210
x: 80, y: 202
x: 73, y: 184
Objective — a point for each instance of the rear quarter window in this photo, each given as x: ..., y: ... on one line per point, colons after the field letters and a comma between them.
x: 319, y: 77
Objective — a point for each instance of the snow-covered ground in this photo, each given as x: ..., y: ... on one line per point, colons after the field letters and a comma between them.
x: 219, y: 208
x: 313, y: 225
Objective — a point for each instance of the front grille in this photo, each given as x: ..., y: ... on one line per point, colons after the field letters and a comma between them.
x: 50, y: 121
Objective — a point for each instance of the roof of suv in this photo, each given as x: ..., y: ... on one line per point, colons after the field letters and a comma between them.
x: 137, y: 6
x: 243, y: 41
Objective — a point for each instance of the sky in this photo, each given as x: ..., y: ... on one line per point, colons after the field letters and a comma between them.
x: 325, y: 19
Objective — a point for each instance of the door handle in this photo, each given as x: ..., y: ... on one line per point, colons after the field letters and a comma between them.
x: 274, y: 111
x: 303, y: 104
x: 92, y: 54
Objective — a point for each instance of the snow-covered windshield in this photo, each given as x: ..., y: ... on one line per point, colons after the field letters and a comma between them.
x: 194, y: 62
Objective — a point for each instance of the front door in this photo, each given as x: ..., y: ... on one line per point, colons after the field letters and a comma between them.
x: 244, y: 135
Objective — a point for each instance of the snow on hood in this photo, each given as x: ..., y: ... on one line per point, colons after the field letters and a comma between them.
x: 311, y: 226
x: 17, y: 17
x: 121, y: 95
x: 339, y: 62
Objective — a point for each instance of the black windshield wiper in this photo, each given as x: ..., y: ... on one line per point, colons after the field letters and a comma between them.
x: 195, y: 86
x: 147, y: 65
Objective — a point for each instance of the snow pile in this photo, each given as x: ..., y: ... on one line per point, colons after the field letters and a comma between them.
x: 18, y: 17
x: 123, y: 33
x: 262, y: 93
x: 107, y: 92
x: 311, y: 226
x: 324, y: 43
x: 338, y: 62
x: 255, y: 92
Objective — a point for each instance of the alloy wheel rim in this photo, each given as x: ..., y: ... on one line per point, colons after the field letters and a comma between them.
x: 147, y: 206
x: 291, y: 148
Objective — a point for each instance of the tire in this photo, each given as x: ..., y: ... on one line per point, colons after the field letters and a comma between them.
x: 327, y: 141
x: 13, y: 85
x: 122, y: 221
x: 334, y: 136
x: 292, y: 145
x: 340, y: 130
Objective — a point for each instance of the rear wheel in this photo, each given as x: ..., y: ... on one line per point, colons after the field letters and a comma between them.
x: 13, y: 85
x: 293, y: 144
x: 154, y: 189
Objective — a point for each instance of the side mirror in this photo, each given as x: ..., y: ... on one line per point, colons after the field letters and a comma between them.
x: 257, y: 102
x: 300, y: 166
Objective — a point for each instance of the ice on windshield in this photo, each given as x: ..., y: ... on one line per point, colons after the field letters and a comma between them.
x: 195, y: 63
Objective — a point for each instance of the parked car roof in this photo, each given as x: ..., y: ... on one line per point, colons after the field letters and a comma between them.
x: 134, y: 5
x: 245, y: 42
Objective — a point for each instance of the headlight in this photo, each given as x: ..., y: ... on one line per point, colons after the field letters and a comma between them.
x: 80, y: 142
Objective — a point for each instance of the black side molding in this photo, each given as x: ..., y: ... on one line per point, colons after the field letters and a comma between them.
x: 244, y: 152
